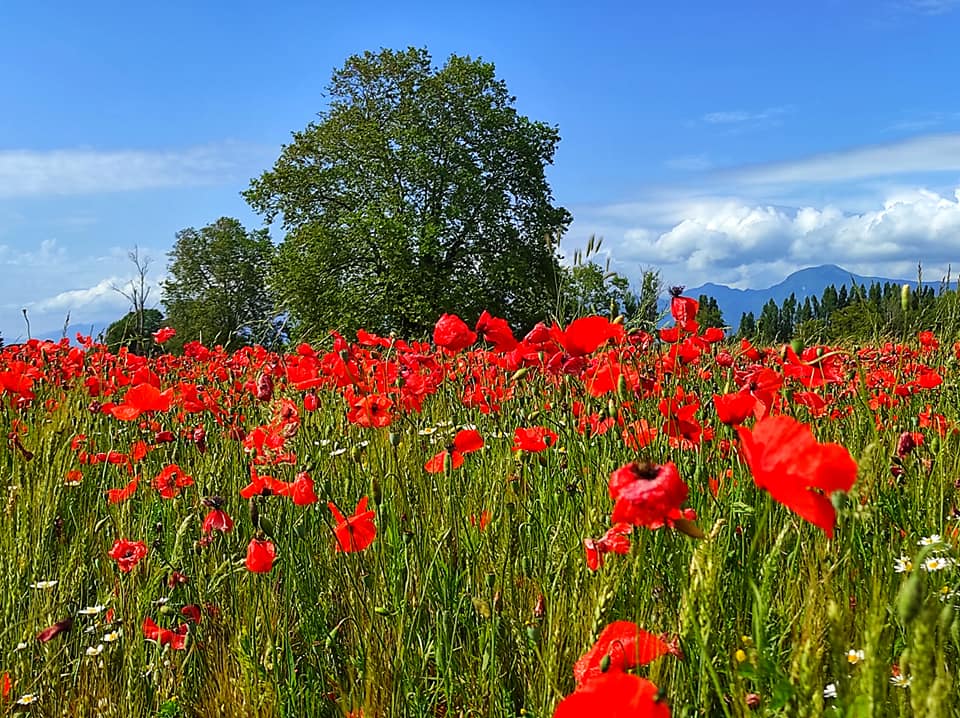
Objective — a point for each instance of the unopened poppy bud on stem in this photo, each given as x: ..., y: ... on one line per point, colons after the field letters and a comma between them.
x: 905, y: 297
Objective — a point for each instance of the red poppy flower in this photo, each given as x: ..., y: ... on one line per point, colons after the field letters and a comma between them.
x: 127, y: 553
x: 170, y: 480
x: 736, y: 408
x: 191, y: 612
x: 647, y: 495
x: 354, y: 533
x: 217, y: 520
x: 301, y: 490
x: 614, y: 695
x: 142, y: 398
x: 800, y: 473
x: 452, y: 333
x: 621, y: 645
x: 684, y: 310
x: 371, y: 411
x: 176, y: 639
x: 497, y: 332
x: 116, y: 496
x: 164, y: 334
x: 465, y: 442
x: 55, y: 630
x: 585, y: 335
x: 613, y: 541
x: 5, y: 686
x: 534, y: 438
x: 260, y: 555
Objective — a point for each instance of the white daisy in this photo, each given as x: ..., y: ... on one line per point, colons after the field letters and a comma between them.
x: 854, y: 656
x: 900, y: 680
x: 931, y: 540
x: 44, y: 585
x: 830, y: 691
x: 937, y: 563
x: 95, y: 650
x: 904, y: 564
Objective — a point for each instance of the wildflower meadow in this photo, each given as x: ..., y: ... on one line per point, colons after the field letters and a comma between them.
x: 588, y: 520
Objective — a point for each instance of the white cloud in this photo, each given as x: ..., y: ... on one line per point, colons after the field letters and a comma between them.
x: 102, y: 295
x: 929, y: 153
x: 53, y: 281
x: 736, y: 117
x: 751, y: 244
x: 81, y: 171
x: 929, y: 7
x: 689, y: 163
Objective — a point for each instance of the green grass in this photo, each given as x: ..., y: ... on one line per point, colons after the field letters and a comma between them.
x: 440, y: 618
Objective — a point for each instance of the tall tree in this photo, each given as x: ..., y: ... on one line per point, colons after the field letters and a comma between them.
x: 134, y: 330
x: 420, y: 190
x: 710, y: 314
x: 216, y: 288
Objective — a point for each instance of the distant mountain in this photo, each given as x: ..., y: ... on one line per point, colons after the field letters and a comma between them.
x: 809, y: 282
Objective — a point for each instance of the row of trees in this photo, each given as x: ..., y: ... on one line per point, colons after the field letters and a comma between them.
x: 419, y: 190
x: 859, y: 312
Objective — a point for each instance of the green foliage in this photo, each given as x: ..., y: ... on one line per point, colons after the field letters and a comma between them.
x: 587, y: 288
x: 216, y: 288
x: 748, y: 326
x: 710, y: 314
x: 420, y: 190
x: 126, y: 332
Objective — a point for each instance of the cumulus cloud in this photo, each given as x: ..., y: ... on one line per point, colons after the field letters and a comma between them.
x: 102, y: 295
x: 82, y: 171
x: 748, y: 244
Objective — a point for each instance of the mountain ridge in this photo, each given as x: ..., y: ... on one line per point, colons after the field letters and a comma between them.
x: 807, y: 282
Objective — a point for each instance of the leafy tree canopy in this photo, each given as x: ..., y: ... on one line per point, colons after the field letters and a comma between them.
x: 420, y: 190
x: 216, y: 287
x: 127, y: 332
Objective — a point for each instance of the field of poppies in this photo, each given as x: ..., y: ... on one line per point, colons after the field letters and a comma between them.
x: 585, y: 521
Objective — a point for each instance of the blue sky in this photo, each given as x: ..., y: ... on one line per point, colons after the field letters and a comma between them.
x: 731, y: 142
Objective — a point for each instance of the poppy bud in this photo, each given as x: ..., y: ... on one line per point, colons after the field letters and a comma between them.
x: 519, y: 374
x: 376, y: 491
x: 264, y: 391
x: 905, y: 298
x: 622, y: 386
x: 797, y: 345
x: 254, y: 513
x: 540, y: 610
x: 55, y: 630
x: 905, y: 444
